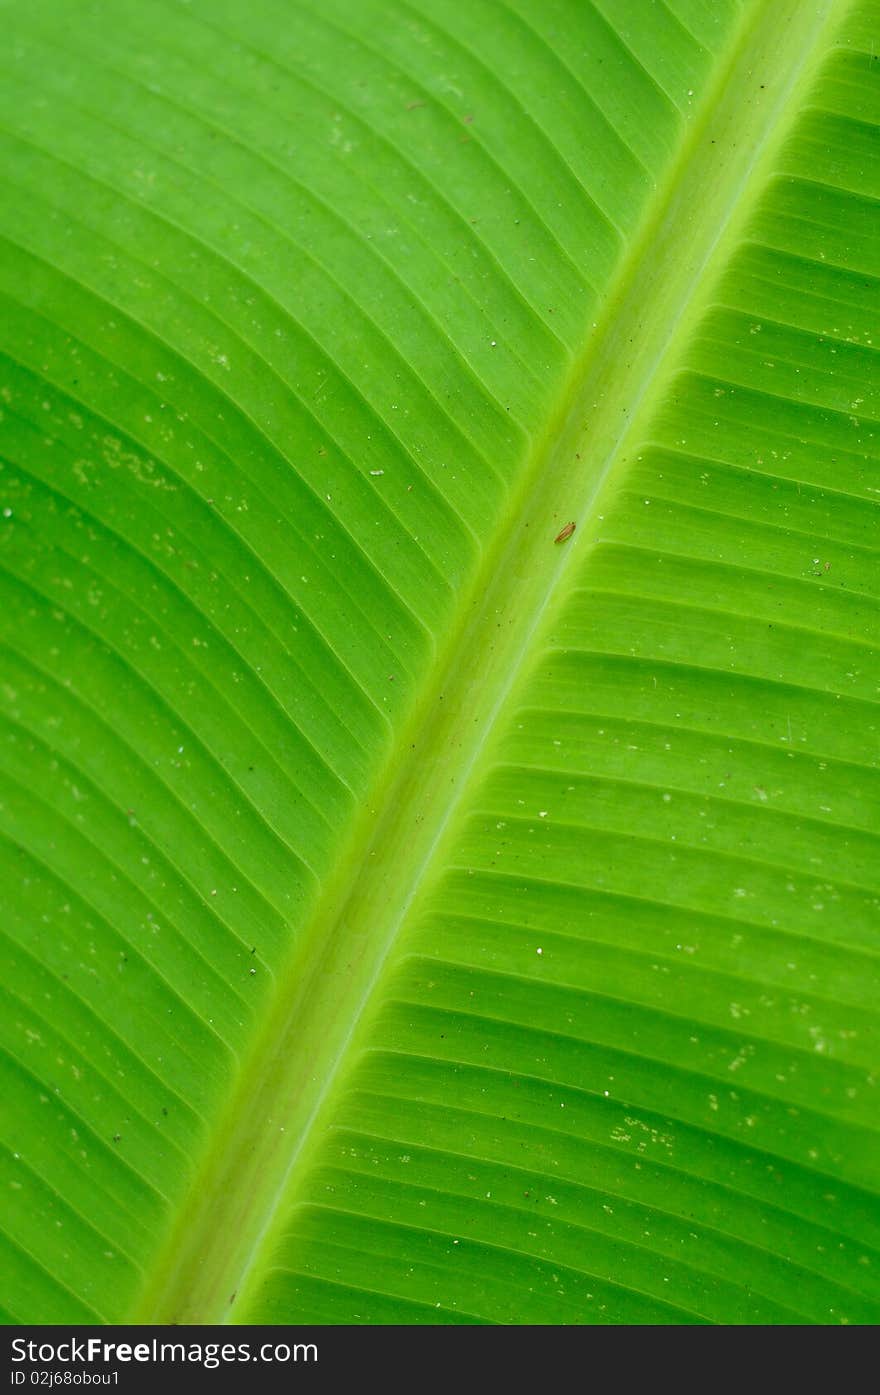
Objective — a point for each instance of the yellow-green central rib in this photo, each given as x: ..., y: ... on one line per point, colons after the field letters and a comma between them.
x: 279, y: 1108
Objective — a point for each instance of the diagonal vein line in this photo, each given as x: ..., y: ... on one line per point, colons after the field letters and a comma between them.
x: 394, y: 853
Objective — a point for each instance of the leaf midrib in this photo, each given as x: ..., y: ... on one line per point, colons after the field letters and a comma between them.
x: 394, y: 850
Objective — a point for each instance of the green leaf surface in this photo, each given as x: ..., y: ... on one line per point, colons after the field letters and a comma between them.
x: 419, y: 910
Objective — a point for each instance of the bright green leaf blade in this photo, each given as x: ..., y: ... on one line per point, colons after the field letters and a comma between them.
x: 415, y: 919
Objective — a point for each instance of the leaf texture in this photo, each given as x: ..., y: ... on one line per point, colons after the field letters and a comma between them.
x: 410, y: 917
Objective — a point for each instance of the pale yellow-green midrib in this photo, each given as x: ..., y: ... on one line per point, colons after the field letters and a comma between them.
x: 211, y: 1262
